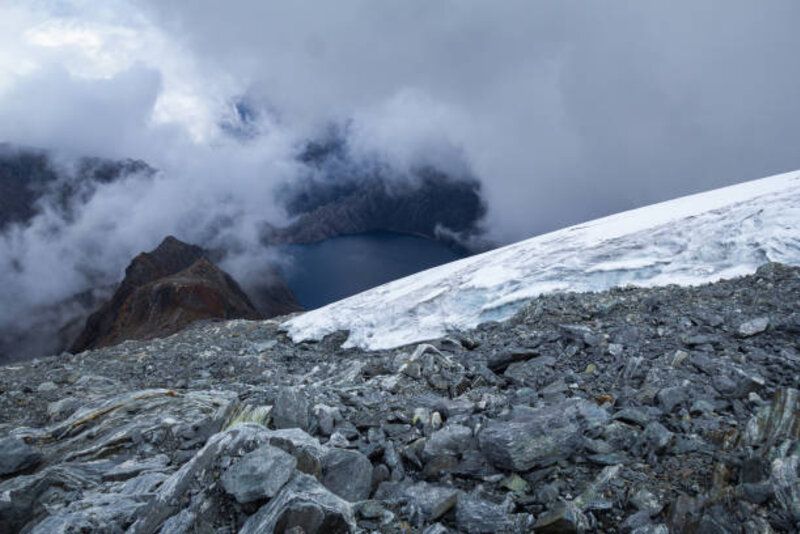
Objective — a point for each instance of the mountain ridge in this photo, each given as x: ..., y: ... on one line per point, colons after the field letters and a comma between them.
x: 164, y: 291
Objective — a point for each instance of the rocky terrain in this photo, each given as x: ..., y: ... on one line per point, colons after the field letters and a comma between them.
x: 631, y: 410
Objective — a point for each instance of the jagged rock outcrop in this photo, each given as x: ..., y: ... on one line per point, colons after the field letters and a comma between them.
x: 663, y: 410
x: 164, y: 291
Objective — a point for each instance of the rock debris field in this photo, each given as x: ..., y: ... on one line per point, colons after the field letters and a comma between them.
x: 632, y: 410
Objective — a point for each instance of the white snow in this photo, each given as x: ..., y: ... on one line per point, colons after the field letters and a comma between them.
x: 691, y: 240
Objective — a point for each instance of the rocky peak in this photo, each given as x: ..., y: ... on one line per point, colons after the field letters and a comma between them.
x: 165, y: 290
x: 169, y: 257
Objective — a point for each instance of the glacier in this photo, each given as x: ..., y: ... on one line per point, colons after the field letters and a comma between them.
x: 690, y: 240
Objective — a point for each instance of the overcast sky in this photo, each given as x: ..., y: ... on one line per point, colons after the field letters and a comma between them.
x: 565, y: 110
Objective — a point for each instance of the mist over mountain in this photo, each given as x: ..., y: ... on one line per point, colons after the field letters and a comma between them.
x: 47, y: 195
x: 471, y: 123
x: 339, y: 195
x: 31, y: 179
x: 352, y: 266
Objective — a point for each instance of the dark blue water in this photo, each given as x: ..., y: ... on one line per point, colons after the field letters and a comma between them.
x: 325, y: 272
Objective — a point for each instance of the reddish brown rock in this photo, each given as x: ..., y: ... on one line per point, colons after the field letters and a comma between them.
x: 167, y: 289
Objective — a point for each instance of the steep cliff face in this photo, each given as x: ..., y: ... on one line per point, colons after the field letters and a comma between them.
x: 167, y: 289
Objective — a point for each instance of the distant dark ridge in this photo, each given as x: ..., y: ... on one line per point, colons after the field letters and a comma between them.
x: 29, y: 175
x: 340, y: 195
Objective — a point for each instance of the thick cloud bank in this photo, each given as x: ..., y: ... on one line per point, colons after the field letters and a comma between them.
x: 560, y: 112
x: 566, y: 110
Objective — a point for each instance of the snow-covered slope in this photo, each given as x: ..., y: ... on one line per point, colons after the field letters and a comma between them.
x: 690, y: 240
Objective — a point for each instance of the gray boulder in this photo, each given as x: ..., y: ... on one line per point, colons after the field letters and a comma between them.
x: 305, y: 448
x: 786, y: 484
x: 98, y: 512
x: 499, y: 361
x: 538, y: 436
x: 62, y: 408
x: 452, y: 439
x: 291, y: 409
x: 656, y: 436
x: 348, y: 474
x: 477, y: 515
x: 671, y: 397
x: 306, y: 504
x: 753, y: 327
x: 104, y: 427
x: 529, y: 372
x: 22, y: 496
x: 16, y: 456
x: 428, y: 502
x: 259, y: 474
x: 775, y: 424
x: 196, y: 476
x: 562, y: 519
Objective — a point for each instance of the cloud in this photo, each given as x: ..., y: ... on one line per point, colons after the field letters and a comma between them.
x: 409, y: 131
x: 105, y: 117
x: 564, y: 110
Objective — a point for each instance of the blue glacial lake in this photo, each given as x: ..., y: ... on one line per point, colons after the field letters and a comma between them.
x: 321, y: 273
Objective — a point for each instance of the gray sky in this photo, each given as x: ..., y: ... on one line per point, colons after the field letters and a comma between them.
x: 564, y: 110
